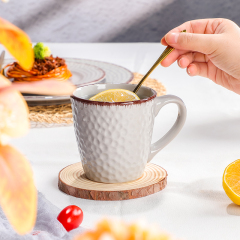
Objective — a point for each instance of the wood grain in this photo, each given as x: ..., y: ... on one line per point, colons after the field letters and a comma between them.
x: 72, y: 181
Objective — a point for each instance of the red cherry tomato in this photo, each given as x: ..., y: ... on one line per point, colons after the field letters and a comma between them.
x: 70, y: 217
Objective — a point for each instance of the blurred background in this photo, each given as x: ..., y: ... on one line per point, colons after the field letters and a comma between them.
x: 110, y: 20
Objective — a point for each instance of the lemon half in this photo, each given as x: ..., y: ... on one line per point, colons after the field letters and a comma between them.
x: 231, y: 181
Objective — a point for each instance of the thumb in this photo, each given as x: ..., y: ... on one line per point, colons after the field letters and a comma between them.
x: 203, y: 43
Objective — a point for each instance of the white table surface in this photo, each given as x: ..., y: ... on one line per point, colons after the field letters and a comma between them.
x: 194, y: 204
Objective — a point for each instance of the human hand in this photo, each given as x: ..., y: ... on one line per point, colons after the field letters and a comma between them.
x: 210, y: 48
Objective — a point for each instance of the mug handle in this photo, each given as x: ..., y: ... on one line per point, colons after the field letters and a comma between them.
x: 177, y: 126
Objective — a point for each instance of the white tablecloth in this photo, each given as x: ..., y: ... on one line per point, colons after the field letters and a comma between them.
x: 193, y: 205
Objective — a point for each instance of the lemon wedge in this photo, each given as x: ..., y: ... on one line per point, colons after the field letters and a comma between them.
x: 115, y: 95
x: 231, y: 181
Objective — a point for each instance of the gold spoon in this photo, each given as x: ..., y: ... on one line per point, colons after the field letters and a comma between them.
x: 165, y: 53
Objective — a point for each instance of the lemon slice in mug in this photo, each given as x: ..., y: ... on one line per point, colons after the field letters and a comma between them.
x: 115, y: 95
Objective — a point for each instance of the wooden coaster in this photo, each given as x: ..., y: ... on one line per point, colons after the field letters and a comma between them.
x: 73, y: 181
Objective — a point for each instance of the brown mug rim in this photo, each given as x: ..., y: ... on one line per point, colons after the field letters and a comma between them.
x: 86, y: 101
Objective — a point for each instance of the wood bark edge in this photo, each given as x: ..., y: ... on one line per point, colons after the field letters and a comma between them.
x: 112, y: 195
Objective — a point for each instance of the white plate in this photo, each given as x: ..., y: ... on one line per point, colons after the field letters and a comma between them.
x: 82, y: 74
x: 85, y: 72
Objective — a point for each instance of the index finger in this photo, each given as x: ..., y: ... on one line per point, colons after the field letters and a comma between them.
x: 202, y: 26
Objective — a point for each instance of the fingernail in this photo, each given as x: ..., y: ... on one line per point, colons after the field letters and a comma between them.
x: 179, y: 62
x: 188, y: 70
x: 172, y: 37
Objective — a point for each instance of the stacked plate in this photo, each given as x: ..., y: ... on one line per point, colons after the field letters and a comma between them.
x: 84, y: 72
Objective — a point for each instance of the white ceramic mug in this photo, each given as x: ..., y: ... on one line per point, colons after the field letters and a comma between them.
x: 114, y: 139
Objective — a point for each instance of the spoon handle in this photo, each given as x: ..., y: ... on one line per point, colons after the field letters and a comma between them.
x: 165, y: 53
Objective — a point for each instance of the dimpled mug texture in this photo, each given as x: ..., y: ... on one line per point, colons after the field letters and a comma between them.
x: 113, y: 141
